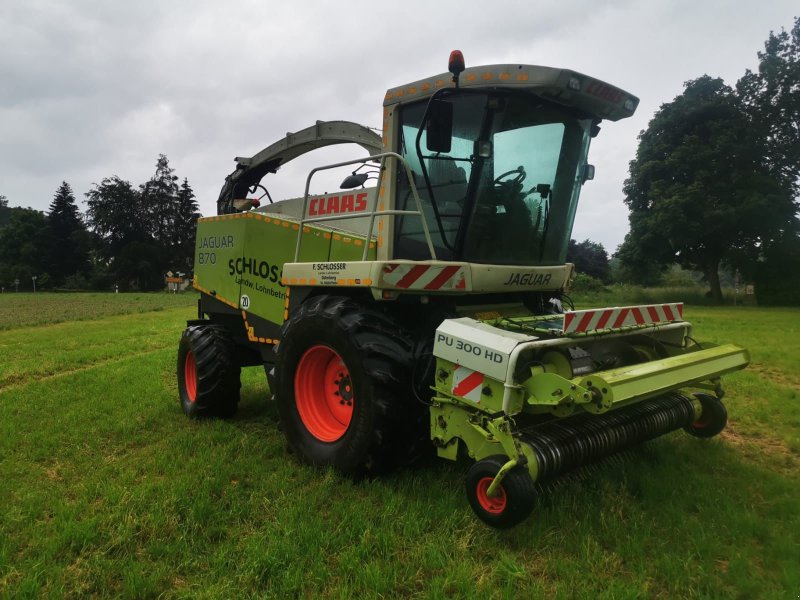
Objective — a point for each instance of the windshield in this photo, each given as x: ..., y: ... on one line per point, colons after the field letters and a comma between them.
x: 506, y: 191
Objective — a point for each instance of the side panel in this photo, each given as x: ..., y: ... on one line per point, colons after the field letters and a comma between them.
x: 270, y: 242
x: 220, y: 242
x: 348, y: 248
x: 239, y: 260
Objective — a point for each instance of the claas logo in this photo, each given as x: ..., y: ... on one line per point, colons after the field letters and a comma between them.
x: 334, y: 205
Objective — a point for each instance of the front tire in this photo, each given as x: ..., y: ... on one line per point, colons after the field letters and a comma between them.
x: 514, y: 499
x: 342, y: 383
x: 208, y: 374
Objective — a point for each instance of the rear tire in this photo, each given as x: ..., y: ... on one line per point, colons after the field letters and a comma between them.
x: 208, y: 374
x: 514, y: 499
x: 713, y: 419
x: 343, y: 388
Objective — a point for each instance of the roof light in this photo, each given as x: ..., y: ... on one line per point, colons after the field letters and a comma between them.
x: 456, y: 63
x: 574, y: 84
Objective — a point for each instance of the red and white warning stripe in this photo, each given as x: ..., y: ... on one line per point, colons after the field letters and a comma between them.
x: 467, y: 383
x: 581, y: 321
x: 423, y: 277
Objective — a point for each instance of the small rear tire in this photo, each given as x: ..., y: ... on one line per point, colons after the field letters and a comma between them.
x: 712, y: 420
x: 514, y: 499
x: 208, y: 374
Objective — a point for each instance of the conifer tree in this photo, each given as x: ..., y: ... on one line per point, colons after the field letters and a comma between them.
x: 159, y: 198
x: 67, y: 248
x: 185, y: 227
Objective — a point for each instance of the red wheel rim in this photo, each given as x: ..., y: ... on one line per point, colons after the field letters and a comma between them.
x: 190, y: 376
x: 492, y: 504
x: 323, y: 393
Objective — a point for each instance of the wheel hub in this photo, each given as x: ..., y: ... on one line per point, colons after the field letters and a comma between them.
x: 324, y: 393
x: 491, y: 504
x: 190, y: 376
x: 345, y: 391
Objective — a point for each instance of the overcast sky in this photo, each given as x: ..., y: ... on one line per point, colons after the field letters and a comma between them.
x: 94, y: 88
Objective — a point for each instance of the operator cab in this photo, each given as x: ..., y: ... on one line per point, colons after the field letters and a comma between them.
x: 502, y: 187
x: 498, y: 156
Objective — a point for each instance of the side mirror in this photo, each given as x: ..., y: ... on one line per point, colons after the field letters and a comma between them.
x: 353, y: 181
x: 439, y: 128
x: 543, y: 189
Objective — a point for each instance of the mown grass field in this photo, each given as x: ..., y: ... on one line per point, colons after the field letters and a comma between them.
x: 17, y: 310
x: 106, y: 490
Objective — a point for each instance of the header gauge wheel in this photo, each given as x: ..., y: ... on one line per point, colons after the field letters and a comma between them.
x: 713, y: 419
x: 513, y: 500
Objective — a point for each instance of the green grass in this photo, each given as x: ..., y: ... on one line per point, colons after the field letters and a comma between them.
x: 17, y: 310
x: 619, y: 294
x: 106, y: 490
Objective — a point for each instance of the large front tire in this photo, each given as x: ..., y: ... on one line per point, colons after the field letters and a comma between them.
x: 343, y: 387
x: 208, y: 374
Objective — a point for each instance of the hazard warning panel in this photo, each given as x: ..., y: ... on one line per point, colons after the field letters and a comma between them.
x: 467, y: 383
x: 582, y: 321
x: 423, y: 277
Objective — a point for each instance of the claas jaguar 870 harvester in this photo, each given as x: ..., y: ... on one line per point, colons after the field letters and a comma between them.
x: 423, y: 304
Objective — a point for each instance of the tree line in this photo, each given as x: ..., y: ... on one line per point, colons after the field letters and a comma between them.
x: 128, y: 237
x: 714, y: 186
x: 716, y: 178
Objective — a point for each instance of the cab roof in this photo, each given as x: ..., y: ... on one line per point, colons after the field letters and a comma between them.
x: 563, y: 86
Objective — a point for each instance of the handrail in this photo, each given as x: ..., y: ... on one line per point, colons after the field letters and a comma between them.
x: 374, y: 211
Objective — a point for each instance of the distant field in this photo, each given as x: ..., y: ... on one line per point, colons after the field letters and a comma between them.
x: 107, y: 491
x: 17, y: 310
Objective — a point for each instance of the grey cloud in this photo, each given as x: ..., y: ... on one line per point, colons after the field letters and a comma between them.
x: 95, y: 88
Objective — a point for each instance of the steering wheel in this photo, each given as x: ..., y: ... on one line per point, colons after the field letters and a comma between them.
x: 519, y: 176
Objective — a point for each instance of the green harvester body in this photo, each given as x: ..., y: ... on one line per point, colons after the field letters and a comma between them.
x: 434, y: 299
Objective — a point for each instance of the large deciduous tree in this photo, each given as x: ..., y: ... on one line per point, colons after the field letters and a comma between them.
x: 115, y: 214
x: 772, y: 98
x: 123, y: 226
x: 589, y: 258
x: 22, y: 247
x: 700, y: 189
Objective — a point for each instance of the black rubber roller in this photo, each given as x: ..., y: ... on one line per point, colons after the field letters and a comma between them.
x: 564, y: 444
